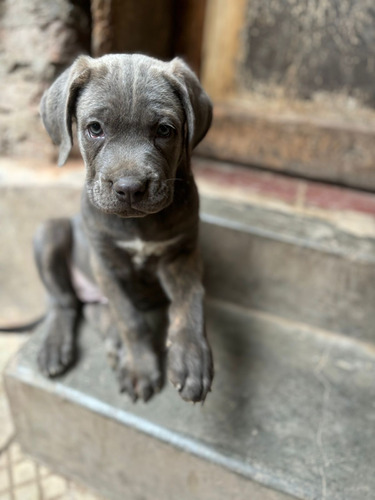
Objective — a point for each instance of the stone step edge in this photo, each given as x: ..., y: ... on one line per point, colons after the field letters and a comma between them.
x: 305, y: 232
x: 171, y: 438
x: 330, y: 336
x: 349, y: 209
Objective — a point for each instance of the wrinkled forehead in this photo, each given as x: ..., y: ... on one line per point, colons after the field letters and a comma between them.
x: 131, y: 89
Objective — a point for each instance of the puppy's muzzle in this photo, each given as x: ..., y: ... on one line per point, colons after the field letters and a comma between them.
x: 130, y: 190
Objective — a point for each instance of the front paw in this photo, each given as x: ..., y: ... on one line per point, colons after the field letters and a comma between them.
x: 139, y: 373
x: 190, y: 367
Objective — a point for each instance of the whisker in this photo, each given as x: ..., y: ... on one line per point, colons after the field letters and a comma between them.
x: 175, y: 179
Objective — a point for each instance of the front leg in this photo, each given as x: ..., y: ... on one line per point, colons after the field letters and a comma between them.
x: 190, y: 365
x: 138, y: 366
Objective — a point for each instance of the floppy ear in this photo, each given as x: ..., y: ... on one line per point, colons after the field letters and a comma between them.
x: 58, y: 105
x: 196, y: 103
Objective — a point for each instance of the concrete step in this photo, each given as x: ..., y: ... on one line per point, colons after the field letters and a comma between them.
x: 300, y: 249
x: 291, y: 415
x: 298, y: 267
x: 265, y: 245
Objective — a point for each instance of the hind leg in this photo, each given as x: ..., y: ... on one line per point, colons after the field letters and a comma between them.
x: 53, y: 249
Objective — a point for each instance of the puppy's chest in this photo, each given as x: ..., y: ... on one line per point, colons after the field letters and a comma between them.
x: 141, y: 251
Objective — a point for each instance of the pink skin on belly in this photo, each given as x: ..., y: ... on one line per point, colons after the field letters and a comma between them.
x: 86, y: 290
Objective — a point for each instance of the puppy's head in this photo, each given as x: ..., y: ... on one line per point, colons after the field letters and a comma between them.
x: 137, y: 120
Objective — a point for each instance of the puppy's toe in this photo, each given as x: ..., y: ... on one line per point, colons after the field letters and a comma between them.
x: 67, y: 353
x: 137, y: 386
x: 145, y: 390
x: 113, y: 351
x: 190, y: 369
x: 43, y: 360
x: 177, y: 376
x: 114, y: 347
x: 192, y: 390
x: 140, y: 376
x: 127, y: 383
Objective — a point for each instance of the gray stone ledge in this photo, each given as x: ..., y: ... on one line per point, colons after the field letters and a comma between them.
x: 291, y: 415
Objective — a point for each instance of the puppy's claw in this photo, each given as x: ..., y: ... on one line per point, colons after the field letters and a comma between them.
x: 190, y: 369
x: 144, y: 390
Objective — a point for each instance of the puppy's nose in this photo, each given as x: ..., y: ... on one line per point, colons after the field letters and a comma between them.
x: 129, y: 189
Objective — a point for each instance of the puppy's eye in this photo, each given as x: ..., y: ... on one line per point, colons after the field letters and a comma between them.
x: 164, y: 131
x: 95, y: 130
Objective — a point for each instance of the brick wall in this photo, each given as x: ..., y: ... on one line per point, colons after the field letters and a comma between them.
x: 38, y: 39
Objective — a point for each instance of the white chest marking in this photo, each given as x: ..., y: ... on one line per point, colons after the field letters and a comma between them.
x: 140, y: 250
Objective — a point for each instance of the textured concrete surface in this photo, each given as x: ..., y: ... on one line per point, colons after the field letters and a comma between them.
x: 291, y: 409
x: 294, y: 266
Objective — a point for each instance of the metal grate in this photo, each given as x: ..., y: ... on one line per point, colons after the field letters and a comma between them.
x: 20, y: 477
x: 24, y: 479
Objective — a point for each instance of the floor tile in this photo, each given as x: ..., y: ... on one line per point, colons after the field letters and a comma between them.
x: 27, y: 492
x: 31, y: 481
x: 4, y: 480
x: 53, y: 486
x: 23, y: 472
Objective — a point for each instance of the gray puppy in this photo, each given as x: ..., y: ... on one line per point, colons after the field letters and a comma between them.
x: 134, y: 244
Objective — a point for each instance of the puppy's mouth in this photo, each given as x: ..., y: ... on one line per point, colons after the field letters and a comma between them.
x: 129, y: 198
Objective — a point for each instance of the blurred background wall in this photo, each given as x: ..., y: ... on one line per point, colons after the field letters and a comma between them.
x: 38, y: 39
x: 292, y: 81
